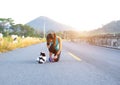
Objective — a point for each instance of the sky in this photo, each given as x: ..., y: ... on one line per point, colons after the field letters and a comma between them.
x: 83, y: 15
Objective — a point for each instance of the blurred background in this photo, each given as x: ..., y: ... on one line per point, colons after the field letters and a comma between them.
x: 81, y: 21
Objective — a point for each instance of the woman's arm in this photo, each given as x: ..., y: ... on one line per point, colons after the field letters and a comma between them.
x: 48, y: 45
x: 60, y: 45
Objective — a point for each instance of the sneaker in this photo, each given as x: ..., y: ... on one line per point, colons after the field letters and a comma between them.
x: 50, y: 59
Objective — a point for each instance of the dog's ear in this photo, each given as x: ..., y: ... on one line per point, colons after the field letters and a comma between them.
x: 42, y: 54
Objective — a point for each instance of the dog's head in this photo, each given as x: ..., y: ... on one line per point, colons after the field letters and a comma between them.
x: 42, y: 54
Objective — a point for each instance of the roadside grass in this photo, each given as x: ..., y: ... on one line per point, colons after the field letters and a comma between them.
x: 7, y: 43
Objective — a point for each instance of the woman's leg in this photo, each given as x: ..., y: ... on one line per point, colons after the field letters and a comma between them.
x: 50, y: 57
x: 51, y: 51
x: 50, y: 54
x: 58, y: 57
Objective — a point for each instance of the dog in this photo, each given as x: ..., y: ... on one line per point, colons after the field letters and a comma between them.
x: 42, y: 58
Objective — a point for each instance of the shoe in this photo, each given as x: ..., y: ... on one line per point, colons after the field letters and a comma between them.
x: 50, y: 59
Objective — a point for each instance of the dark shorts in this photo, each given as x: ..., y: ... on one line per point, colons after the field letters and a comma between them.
x: 54, y: 51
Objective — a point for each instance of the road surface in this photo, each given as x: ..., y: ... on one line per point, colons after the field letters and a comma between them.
x: 80, y: 64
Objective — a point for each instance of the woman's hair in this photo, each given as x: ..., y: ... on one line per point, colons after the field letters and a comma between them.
x: 51, y: 36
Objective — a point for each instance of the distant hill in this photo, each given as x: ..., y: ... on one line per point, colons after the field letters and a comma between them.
x: 50, y: 25
x: 112, y: 27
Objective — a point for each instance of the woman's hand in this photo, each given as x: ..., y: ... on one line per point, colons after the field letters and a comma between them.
x: 55, y: 57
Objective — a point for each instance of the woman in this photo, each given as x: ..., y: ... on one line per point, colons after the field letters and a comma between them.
x: 54, y: 45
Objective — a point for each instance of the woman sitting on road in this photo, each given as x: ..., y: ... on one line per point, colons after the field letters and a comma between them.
x: 54, y: 45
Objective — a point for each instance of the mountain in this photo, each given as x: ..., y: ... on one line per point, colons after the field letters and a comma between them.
x: 49, y: 24
x: 112, y: 27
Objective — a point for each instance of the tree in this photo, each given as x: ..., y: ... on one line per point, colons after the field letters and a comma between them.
x: 5, y: 25
x: 25, y: 30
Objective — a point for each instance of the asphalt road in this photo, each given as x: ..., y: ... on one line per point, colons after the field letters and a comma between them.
x: 80, y: 64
